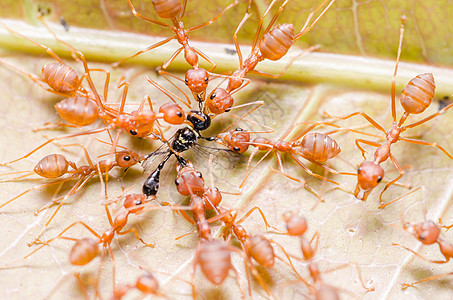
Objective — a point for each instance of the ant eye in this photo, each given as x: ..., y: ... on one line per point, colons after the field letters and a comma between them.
x: 177, y: 182
x: 133, y: 132
x: 239, y: 129
x: 179, y: 114
x: 186, y: 81
x: 206, y: 79
x: 138, y: 202
x: 421, y: 237
x: 212, y: 96
x: 199, y: 174
x: 359, y: 170
x: 127, y: 158
x: 227, y: 110
x: 236, y: 149
x: 379, y: 179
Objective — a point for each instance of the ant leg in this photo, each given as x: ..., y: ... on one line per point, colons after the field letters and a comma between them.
x: 168, y: 93
x: 305, y: 29
x: 302, y: 182
x: 399, y: 198
x: 286, y: 67
x: 430, y: 278
x: 27, y: 173
x: 397, y: 166
x: 425, y: 259
x: 33, y: 77
x: 214, y: 65
x: 172, y: 58
x: 419, y: 142
x: 403, y: 18
x: 235, y: 38
x: 262, y: 216
x: 309, y: 172
x: 369, y: 143
x: 247, y: 172
x: 368, y: 118
x: 137, y: 236
x: 440, y: 112
x: 34, y: 188
x: 59, y: 236
x: 260, y: 24
x: 290, y: 263
x: 183, y: 9
x: 48, y: 50
x: 158, y: 44
x: 236, y: 2
x: 164, y: 74
x: 135, y: 13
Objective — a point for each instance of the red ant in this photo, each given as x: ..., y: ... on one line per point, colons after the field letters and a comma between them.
x: 428, y: 233
x: 56, y: 165
x: 314, y: 147
x: 212, y: 255
x: 171, y: 9
x: 415, y: 98
x: 86, y: 249
x: 273, y: 45
x: 297, y: 226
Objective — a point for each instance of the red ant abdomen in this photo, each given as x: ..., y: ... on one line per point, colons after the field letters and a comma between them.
x: 52, y: 166
x: 276, y: 43
x: 61, y: 78
x: 77, y: 110
x: 319, y: 147
x: 215, y: 260
x: 167, y: 9
x: 418, y: 93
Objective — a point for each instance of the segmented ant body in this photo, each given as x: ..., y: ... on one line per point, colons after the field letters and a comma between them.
x: 297, y: 226
x: 273, y: 45
x: 172, y: 9
x: 415, y: 99
x: 314, y: 147
x: 86, y: 249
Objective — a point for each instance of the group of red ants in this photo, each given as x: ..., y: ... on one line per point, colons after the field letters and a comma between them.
x: 83, y: 105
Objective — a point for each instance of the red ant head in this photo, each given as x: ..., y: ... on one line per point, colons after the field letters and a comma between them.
x: 295, y: 225
x: 237, y: 140
x: 191, y: 57
x: 426, y: 232
x: 173, y: 113
x: 167, y: 9
x: 197, y: 80
x: 140, y: 123
x: 212, y: 198
x: 127, y: 158
x: 369, y: 175
x: 134, y: 202
x: 189, y: 181
x: 83, y: 251
x: 418, y: 94
x: 276, y: 43
x: 147, y: 284
x: 219, y: 101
